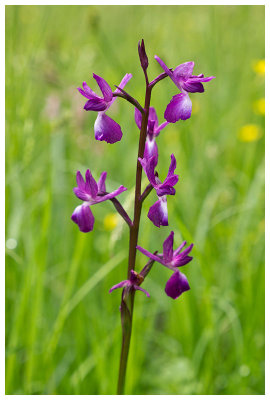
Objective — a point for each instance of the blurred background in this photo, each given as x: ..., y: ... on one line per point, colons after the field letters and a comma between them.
x: 63, y: 330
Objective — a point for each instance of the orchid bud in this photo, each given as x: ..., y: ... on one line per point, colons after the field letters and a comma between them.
x: 142, y: 55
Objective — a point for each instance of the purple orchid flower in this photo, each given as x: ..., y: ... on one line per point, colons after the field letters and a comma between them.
x: 153, y: 130
x: 178, y: 283
x: 105, y: 128
x: 132, y: 283
x: 171, y: 180
x: 91, y: 192
x: 158, y: 212
x: 180, y: 106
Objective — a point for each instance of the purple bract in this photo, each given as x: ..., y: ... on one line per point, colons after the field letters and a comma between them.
x: 180, y: 106
x: 105, y: 128
x: 91, y: 192
x: 178, y: 283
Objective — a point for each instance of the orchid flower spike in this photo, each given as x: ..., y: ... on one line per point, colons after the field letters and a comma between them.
x: 105, y: 128
x: 180, y: 106
x: 133, y: 282
x: 153, y: 130
x: 91, y: 192
x: 172, y: 259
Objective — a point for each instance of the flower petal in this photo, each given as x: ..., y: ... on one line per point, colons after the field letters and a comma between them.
x: 104, y: 87
x: 168, y: 248
x: 192, y: 87
x: 123, y: 82
x: 149, y: 169
x: 183, y: 70
x: 179, y: 248
x: 80, y: 181
x: 164, y: 66
x: 100, y: 199
x: 148, y: 254
x: 119, y: 285
x: 91, y: 186
x: 172, y: 166
x: 151, y: 150
x: 95, y: 104
x: 158, y: 212
x: 107, y: 129
x: 101, y: 182
x: 83, y: 217
x: 176, y: 285
x: 153, y: 116
x: 179, y: 108
x: 160, y: 127
x: 87, y: 92
x: 141, y: 289
x: 138, y: 118
x: 81, y: 194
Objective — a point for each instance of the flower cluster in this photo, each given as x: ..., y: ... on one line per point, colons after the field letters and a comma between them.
x: 106, y: 129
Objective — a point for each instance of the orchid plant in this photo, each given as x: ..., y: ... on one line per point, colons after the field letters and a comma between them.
x: 91, y: 192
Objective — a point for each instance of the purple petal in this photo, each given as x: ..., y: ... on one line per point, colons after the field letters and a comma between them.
x: 141, y: 289
x: 183, y: 258
x: 160, y: 127
x: 138, y: 118
x: 168, y: 248
x: 183, y: 70
x: 100, y: 199
x: 81, y: 194
x: 153, y: 116
x: 172, y: 166
x: 165, y: 190
x: 104, y: 87
x: 151, y: 150
x: 179, y: 248
x: 83, y: 217
x: 107, y: 129
x: 95, y: 104
x: 176, y: 285
x: 179, y: 108
x: 101, y: 182
x: 122, y: 84
x: 119, y: 285
x: 192, y: 87
x: 91, y: 186
x: 88, y: 90
x: 149, y: 169
x: 148, y: 254
x: 164, y: 66
x: 187, y: 250
x: 200, y: 78
x: 158, y: 212
x: 80, y: 181
x: 179, y: 261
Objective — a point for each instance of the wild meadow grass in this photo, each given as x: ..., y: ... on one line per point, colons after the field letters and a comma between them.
x: 63, y: 330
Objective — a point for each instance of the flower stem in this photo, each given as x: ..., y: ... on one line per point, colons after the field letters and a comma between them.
x: 127, y: 303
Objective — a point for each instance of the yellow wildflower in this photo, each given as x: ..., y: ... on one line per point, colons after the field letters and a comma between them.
x: 259, y: 67
x: 259, y: 106
x: 249, y: 133
x: 110, y: 221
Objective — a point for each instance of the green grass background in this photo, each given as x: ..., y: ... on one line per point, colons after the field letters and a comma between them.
x: 62, y: 326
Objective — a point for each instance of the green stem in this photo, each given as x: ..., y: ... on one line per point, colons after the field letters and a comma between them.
x: 128, y: 297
